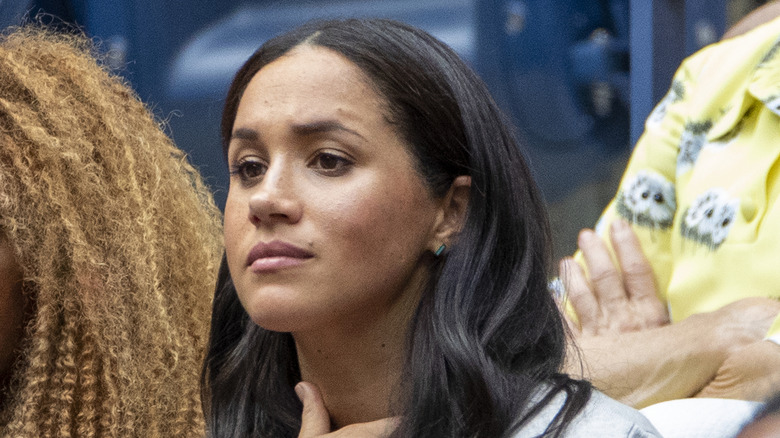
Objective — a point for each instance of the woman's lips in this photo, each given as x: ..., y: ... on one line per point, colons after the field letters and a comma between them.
x: 276, y: 255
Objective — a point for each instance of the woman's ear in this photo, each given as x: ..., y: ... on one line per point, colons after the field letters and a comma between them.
x: 452, y: 214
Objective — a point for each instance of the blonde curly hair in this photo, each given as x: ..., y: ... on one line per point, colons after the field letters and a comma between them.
x: 119, y: 241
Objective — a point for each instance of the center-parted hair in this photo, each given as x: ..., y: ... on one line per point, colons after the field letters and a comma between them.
x: 487, y: 340
x: 119, y: 242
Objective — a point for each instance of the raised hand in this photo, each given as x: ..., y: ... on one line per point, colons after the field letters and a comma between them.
x: 614, y: 299
x: 631, y: 352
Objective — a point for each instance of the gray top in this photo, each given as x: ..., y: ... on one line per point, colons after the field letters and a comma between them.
x: 602, y: 417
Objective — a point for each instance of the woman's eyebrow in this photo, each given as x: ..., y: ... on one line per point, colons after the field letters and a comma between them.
x: 302, y: 129
x: 244, y: 134
x: 322, y: 126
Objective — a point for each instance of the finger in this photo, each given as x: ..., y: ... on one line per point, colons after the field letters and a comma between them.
x: 638, y: 278
x: 315, y: 419
x: 374, y: 429
x: 605, y: 278
x: 580, y: 295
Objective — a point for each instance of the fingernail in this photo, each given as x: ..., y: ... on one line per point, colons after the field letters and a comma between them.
x: 619, y: 225
x: 300, y: 391
x: 586, y: 235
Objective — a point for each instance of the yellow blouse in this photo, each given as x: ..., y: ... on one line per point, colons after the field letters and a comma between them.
x: 701, y: 188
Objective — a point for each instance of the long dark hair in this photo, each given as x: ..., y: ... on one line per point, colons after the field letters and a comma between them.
x: 487, y: 335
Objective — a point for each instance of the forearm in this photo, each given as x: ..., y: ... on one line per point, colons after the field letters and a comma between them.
x: 672, y: 361
x: 750, y: 373
x: 645, y: 367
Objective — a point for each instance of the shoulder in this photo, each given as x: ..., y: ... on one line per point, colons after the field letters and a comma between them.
x: 606, y: 417
x: 602, y: 417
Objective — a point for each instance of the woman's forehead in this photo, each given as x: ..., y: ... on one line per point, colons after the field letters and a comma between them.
x: 307, y: 86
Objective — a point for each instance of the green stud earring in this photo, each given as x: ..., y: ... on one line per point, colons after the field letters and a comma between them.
x: 440, y: 250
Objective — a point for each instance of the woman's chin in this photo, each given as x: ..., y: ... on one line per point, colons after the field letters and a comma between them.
x: 282, y: 316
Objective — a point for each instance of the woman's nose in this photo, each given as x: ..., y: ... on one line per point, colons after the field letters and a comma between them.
x: 274, y: 200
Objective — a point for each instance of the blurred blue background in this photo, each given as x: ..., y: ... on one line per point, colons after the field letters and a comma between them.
x: 577, y: 77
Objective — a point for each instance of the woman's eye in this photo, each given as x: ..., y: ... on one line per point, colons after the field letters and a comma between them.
x: 331, y: 164
x: 249, y: 169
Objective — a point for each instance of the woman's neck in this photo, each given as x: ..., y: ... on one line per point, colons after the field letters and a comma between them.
x: 357, y: 362
x: 358, y: 377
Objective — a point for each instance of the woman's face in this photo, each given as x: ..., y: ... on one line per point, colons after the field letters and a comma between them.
x: 327, y: 221
x: 12, y: 307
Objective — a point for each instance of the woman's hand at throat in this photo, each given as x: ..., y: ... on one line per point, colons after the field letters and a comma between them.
x: 315, y: 419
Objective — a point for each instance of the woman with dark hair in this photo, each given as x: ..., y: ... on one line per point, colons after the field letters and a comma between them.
x: 386, y: 253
